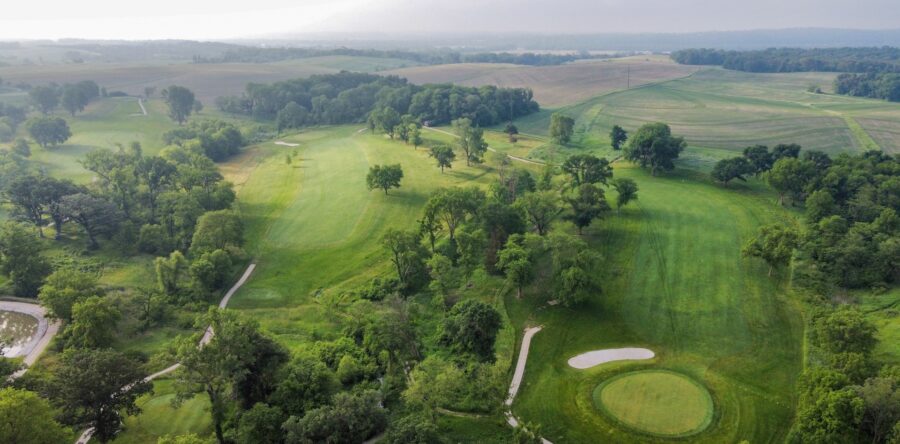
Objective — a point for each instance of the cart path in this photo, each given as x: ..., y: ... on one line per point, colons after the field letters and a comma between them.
x: 45, y: 332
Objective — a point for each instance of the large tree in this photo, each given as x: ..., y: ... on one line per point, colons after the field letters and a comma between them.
x: 774, y: 244
x: 49, y: 131
x: 727, y: 170
x: 26, y: 418
x: 515, y: 260
x: 470, y: 140
x: 64, y: 288
x: 95, y: 215
x: 93, y: 386
x: 44, y: 98
x: 453, y: 206
x: 352, y: 417
x: 617, y: 136
x: 180, y: 101
x: 540, y: 208
x: 384, y: 177
x: 21, y: 259
x: 587, y: 203
x: 653, y: 146
x: 587, y: 169
x: 443, y: 155
x: 562, y: 128
x: 303, y: 385
x: 94, y: 322
x: 408, y: 256
x: 626, y: 190
x: 217, y: 230
x: 471, y: 327
x: 789, y: 176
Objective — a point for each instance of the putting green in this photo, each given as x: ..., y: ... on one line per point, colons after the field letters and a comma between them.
x: 657, y: 402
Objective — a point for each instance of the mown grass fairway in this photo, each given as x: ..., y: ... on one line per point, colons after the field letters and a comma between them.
x: 674, y: 282
x: 656, y: 402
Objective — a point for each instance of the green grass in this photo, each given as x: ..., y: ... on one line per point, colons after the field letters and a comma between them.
x: 656, y: 402
x: 674, y: 282
x: 160, y: 418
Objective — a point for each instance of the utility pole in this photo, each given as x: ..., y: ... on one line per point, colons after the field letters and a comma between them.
x: 628, y: 77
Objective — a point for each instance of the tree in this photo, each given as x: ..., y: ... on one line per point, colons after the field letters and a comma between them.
x: 833, y: 418
x: 470, y: 140
x: 587, y: 169
x: 170, y: 272
x: 413, y: 429
x: 27, y: 418
x: 845, y: 331
x: 617, y: 136
x: 653, y: 146
x: 44, y: 98
x: 386, y: 119
x: 444, y: 156
x: 217, y: 365
x: 292, y: 115
x: 882, y: 399
x: 260, y: 425
x: 471, y: 327
x: 627, y: 191
x: 408, y: 256
x: 789, y: 176
x: 759, y: 158
x: 94, y: 323
x: 515, y: 261
x: 21, y: 259
x: 54, y: 191
x: 304, y: 384
x: 64, y: 288
x: 415, y: 135
x: 351, y: 418
x: 540, y: 208
x: 156, y: 174
x: 217, y: 230
x: 512, y: 131
x: 21, y: 148
x: 180, y: 101
x: 782, y: 151
x: 210, y: 272
x: 384, y: 177
x: 561, y: 128
x: 73, y: 99
x: 88, y: 387
x: 25, y: 193
x: 149, y: 91
x: 95, y: 215
x: 49, y: 131
x: 574, y: 269
x: 726, y: 170
x: 774, y: 244
x: 588, y: 203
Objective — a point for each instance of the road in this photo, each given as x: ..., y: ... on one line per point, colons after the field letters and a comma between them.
x: 86, y: 435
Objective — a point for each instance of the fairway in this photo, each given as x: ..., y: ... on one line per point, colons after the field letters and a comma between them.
x: 656, y: 402
x: 673, y: 281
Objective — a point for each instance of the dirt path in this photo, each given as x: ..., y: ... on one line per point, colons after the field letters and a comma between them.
x: 141, y: 104
x: 519, y: 159
x: 87, y: 434
x: 45, y: 332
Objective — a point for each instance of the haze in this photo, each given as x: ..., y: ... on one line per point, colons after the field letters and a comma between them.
x: 207, y: 19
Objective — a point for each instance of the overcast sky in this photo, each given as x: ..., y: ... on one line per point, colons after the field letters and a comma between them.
x: 220, y: 19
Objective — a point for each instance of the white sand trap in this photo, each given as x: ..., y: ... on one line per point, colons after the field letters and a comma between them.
x: 597, y: 357
x: 286, y: 143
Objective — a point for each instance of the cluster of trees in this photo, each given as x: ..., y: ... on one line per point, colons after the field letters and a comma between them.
x: 438, y: 57
x: 846, y: 397
x: 216, y: 139
x: 759, y: 160
x: 562, y: 128
x: 10, y: 118
x: 653, y: 147
x: 884, y: 85
x: 73, y: 97
x: 871, y: 59
x: 350, y: 97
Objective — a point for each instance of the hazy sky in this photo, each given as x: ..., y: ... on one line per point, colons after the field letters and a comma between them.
x: 217, y: 19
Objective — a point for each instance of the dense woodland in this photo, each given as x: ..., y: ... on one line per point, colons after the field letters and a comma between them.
x: 350, y: 97
x: 868, y: 72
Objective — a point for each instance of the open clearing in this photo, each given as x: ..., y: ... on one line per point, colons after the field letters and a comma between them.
x: 554, y: 85
x: 656, y: 402
x: 597, y: 357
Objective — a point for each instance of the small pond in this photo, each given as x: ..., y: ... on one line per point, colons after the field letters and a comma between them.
x: 16, y: 330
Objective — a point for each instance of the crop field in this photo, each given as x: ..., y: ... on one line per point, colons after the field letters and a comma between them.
x: 674, y: 282
x: 554, y: 85
x: 208, y: 81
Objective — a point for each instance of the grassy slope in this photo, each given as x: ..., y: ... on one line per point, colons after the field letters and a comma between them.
x: 160, y: 418
x: 674, y: 282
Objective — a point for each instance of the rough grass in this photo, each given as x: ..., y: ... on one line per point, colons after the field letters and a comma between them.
x: 674, y: 282
x: 656, y: 402
x: 160, y: 418
x: 553, y: 86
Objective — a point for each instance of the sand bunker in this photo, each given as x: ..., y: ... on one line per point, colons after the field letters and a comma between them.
x: 597, y: 357
x: 286, y: 143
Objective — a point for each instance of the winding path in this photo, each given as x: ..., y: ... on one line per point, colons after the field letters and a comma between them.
x: 518, y: 375
x: 520, y: 159
x: 45, y: 332
x: 87, y: 434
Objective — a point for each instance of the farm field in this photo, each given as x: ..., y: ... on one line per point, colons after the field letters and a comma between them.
x: 674, y: 282
x: 208, y: 81
x: 554, y: 86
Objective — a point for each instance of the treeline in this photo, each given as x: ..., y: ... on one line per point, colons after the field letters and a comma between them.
x: 885, y: 86
x: 437, y: 57
x: 350, y: 97
x: 868, y: 60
